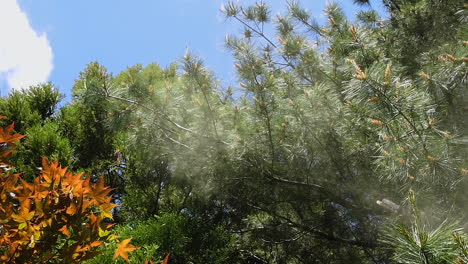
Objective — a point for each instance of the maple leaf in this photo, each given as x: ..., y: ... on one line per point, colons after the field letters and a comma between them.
x: 85, y: 203
x: 53, y: 173
x: 100, y: 192
x: 124, y: 247
x: 73, y: 184
x: 94, y: 221
x: 106, y: 210
x: 27, y: 187
x: 48, y: 203
x: 8, y: 135
x: 23, y: 215
x: 103, y: 233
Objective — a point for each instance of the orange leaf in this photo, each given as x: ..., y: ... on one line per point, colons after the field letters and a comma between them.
x: 31, y: 208
x: 100, y: 192
x: 23, y: 215
x: 65, y: 231
x: 122, y: 249
x: 28, y: 187
x: 166, y: 259
x: 94, y: 221
x: 96, y: 243
x: 53, y: 173
x: 8, y: 135
x: 106, y: 210
x: 71, y: 210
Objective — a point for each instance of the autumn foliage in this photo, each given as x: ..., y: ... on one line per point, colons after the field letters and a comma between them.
x: 123, y: 248
x: 58, y: 218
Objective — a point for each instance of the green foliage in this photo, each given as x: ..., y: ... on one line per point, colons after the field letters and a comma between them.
x: 326, y: 126
x: 189, y: 240
x: 31, y: 106
x: 42, y: 141
x: 18, y: 111
x: 326, y: 120
x: 421, y: 243
x: 32, y: 112
x: 419, y: 26
x: 43, y: 99
x: 83, y: 122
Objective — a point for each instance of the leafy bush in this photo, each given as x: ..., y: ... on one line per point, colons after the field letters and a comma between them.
x: 58, y: 218
x: 185, y: 238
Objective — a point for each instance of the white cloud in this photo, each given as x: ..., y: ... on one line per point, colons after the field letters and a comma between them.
x: 25, y: 56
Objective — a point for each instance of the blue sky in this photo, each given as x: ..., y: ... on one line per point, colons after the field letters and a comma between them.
x: 67, y: 35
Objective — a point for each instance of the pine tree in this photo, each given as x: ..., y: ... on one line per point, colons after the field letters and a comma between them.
x: 318, y: 156
x: 336, y: 126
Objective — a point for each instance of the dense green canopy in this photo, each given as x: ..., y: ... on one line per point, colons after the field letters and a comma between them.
x: 345, y: 142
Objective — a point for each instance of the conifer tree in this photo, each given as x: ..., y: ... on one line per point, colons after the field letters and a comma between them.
x: 317, y: 156
x: 337, y: 124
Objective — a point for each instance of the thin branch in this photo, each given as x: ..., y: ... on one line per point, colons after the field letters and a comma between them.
x: 319, y: 233
x: 284, y: 57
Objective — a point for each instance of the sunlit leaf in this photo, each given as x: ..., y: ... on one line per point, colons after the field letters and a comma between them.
x: 123, y: 248
x: 103, y: 233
